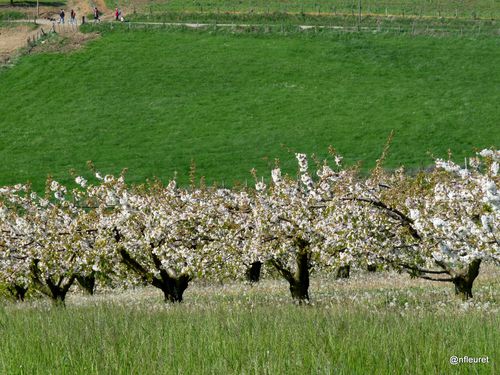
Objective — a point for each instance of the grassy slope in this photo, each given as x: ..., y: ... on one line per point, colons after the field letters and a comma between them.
x: 465, y: 8
x: 152, y: 101
x: 372, y: 327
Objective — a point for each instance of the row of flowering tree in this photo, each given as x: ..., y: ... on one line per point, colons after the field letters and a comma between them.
x: 437, y: 225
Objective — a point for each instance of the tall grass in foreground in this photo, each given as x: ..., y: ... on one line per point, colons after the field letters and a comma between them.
x: 386, y: 325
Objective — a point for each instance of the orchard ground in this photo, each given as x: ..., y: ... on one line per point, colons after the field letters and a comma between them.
x: 371, y: 323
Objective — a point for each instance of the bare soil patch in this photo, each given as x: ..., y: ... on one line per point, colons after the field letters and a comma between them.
x: 12, y: 38
x: 63, y: 42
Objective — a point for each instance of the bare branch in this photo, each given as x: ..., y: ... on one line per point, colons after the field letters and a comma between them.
x: 282, y: 270
x: 446, y: 280
x: 392, y: 212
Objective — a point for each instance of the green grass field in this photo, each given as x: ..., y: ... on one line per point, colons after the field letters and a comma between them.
x: 439, y: 8
x: 378, y: 324
x: 152, y: 101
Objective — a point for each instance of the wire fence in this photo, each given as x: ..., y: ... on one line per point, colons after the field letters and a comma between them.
x: 414, y: 28
x: 479, y: 9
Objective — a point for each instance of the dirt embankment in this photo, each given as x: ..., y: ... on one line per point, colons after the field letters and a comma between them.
x: 13, y: 37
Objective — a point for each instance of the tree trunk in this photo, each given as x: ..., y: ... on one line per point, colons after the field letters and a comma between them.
x: 18, y: 292
x: 371, y: 268
x: 55, y: 290
x: 343, y: 272
x: 87, y: 283
x: 299, y: 291
x: 463, y: 282
x: 299, y: 285
x: 173, y: 288
x: 253, y: 272
x: 299, y: 282
x: 58, y: 291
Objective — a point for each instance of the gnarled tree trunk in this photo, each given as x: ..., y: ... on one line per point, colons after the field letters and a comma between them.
x: 55, y: 290
x: 18, y: 292
x: 298, y: 281
x: 172, y: 285
x: 463, y: 281
x: 253, y: 272
x: 173, y: 288
x: 87, y: 283
x: 371, y: 268
x: 343, y: 272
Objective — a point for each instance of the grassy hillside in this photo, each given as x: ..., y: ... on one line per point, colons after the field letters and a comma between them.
x: 153, y: 101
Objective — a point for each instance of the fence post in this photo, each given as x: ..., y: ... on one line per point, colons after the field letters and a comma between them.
x: 83, y: 20
x: 359, y: 13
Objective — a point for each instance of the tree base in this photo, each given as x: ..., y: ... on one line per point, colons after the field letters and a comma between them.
x: 87, y: 283
x: 173, y: 288
x: 343, y: 272
x: 253, y: 272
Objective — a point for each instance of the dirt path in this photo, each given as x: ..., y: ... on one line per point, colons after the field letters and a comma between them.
x: 13, y: 37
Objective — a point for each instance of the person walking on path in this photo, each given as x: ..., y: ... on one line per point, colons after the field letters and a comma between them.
x: 117, y: 14
x: 73, y: 17
x: 96, y: 15
x: 61, y: 16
